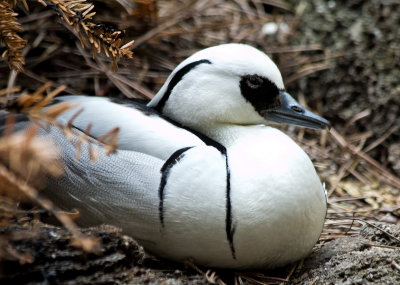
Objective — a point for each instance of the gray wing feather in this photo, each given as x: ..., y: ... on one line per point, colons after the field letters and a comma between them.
x: 121, y: 188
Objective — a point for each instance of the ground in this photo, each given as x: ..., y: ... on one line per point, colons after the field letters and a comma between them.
x: 370, y: 257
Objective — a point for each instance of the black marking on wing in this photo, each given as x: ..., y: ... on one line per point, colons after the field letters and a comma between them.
x: 138, y: 104
x: 135, y: 103
x: 229, y: 227
x: 165, y: 170
x: 175, y: 79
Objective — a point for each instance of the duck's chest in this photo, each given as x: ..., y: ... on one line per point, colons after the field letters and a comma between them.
x: 256, y: 167
x: 245, y: 201
x: 268, y: 160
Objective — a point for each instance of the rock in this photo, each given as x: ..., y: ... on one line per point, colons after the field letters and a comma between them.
x: 46, y: 255
x: 355, y: 260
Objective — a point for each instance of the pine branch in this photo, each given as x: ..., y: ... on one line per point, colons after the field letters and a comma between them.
x: 79, y: 14
x: 9, y: 27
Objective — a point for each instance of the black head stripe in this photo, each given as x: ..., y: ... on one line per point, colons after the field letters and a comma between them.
x: 261, y: 92
x: 175, y: 79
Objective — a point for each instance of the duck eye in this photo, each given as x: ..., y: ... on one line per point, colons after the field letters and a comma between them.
x: 254, y: 81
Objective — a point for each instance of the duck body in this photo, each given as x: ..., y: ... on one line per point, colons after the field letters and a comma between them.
x: 198, y: 172
x: 267, y: 227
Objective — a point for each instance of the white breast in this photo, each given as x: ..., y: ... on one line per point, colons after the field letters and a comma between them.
x: 278, y: 201
x: 277, y: 207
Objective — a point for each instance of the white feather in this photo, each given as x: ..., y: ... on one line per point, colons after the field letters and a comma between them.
x: 138, y: 131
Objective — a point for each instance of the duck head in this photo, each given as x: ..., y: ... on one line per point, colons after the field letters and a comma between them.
x: 230, y: 84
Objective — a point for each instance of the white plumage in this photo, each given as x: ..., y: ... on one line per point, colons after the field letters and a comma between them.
x: 213, y: 182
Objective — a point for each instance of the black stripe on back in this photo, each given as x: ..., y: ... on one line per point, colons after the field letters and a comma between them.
x: 165, y: 169
x: 229, y: 227
x: 175, y: 79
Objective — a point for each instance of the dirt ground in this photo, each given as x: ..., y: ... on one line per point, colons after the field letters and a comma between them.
x: 369, y: 258
x: 372, y: 257
x: 341, y: 58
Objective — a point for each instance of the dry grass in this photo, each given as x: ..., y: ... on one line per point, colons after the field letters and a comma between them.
x: 360, y: 189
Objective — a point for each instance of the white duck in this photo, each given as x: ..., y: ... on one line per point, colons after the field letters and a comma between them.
x: 198, y: 173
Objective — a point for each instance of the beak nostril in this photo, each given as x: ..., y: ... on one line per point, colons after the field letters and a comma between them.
x: 297, y: 109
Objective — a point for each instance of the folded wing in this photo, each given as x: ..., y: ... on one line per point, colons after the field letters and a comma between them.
x: 121, y: 188
x: 141, y: 128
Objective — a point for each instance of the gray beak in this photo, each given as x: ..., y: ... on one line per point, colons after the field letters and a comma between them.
x: 291, y: 112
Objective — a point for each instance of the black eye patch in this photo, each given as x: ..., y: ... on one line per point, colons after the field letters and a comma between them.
x: 261, y: 92
x: 254, y: 81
